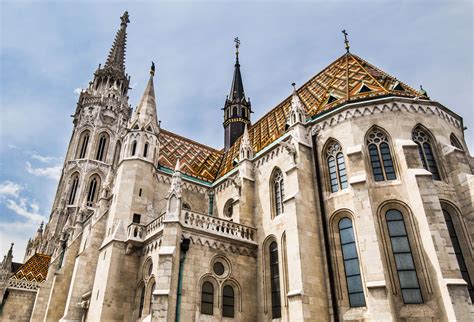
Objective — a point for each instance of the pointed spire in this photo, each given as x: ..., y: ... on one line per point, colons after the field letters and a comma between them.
x: 146, y: 111
x: 237, y: 89
x: 116, y: 58
x: 7, y: 259
x: 297, y: 112
x: 177, y: 167
x: 246, y: 149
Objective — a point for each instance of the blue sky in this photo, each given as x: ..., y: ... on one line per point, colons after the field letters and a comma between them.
x: 49, y: 50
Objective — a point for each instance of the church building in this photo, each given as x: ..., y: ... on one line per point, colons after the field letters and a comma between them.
x: 351, y: 200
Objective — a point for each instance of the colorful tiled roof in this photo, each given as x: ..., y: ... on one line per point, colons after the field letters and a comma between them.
x: 347, y: 79
x: 35, y: 269
x: 197, y: 160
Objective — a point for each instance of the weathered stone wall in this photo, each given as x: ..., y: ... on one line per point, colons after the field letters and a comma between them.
x: 18, y: 306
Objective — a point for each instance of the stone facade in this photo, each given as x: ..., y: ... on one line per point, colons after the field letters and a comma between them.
x: 339, y: 214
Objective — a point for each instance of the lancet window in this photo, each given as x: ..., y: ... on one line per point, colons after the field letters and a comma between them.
x: 102, y: 147
x: 425, y: 149
x: 336, y: 166
x: 275, y: 281
x: 278, y: 191
x: 351, y: 263
x: 381, y: 160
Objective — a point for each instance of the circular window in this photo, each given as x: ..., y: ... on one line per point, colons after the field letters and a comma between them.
x: 218, y: 268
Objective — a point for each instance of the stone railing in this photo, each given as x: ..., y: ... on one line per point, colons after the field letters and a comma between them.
x: 155, y: 226
x: 23, y: 284
x: 218, y: 226
x: 135, y: 232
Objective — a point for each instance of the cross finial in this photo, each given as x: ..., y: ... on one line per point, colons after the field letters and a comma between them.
x: 152, y: 69
x: 237, y: 45
x: 346, y: 41
x: 124, y: 18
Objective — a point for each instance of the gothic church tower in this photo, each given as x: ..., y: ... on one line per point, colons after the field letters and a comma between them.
x: 100, y: 119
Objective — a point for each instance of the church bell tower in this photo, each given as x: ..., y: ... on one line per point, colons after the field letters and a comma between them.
x: 237, y: 108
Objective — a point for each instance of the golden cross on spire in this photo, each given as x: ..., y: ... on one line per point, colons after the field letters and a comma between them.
x: 346, y: 41
x: 237, y: 45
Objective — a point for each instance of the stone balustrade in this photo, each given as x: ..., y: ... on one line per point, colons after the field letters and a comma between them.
x: 154, y: 226
x: 219, y: 226
x: 136, y: 232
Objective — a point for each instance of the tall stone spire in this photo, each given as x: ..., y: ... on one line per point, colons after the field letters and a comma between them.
x: 297, y: 113
x: 145, y: 113
x: 246, y: 150
x: 116, y: 58
x: 237, y: 107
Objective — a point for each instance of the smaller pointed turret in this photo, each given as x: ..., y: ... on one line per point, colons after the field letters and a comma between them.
x: 145, y: 116
x: 237, y: 107
x: 297, y: 113
x: 246, y: 150
x: 8, y: 259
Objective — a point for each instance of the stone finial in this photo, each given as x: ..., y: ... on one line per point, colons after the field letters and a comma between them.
x: 297, y: 113
x: 246, y: 149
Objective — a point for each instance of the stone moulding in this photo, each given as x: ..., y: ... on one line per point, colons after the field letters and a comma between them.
x: 351, y: 111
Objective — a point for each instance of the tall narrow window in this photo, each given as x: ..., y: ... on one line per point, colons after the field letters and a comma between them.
x: 458, y: 252
x: 402, y: 253
x: 278, y: 191
x: 423, y: 140
x: 275, y: 281
x: 228, y: 302
x: 102, y: 147
x: 145, y: 150
x: 207, y: 298
x: 142, y: 301
x: 134, y: 148
x: 351, y: 263
x: 153, y: 286
x: 92, y: 192
x: 72, y: 192
x: 455, y: 142
x: 118, y: 147
x: 83, y: 143
x: 380, y: 156
x: 336, y: 167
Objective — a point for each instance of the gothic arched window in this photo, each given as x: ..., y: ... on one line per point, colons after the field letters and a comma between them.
x: 458, y: 252
x: 403, y: 257
x: 73, y: 191
x: 145, y: 150
x: 152, y: 289
x: 278, y: 191
x: 134, y: 148
x: 142, y: 301
x: 455, y: 142
x: 102, y: 147
x: 351, y: 263
x: 423, y: 140
x: 381, y: 159
x: 275, y: 281
x: 228, y: 302
x: 83, y: 144
x: 229, y: 208
x: 207, y: 298
x: 336, y: 166
x: 93, y: 191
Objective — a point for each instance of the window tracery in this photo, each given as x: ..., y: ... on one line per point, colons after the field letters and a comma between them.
x: 336, y: 167
x: 278, y: 191
x: 423, y: 140
x: 381, y: 160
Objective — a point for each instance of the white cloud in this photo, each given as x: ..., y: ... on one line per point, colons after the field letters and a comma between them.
x: 26, y: 209
x: 77, y: 91
x: 44, y: 159
x: 53, y: 172
x: 11, y: 189
x: 18, y: 233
